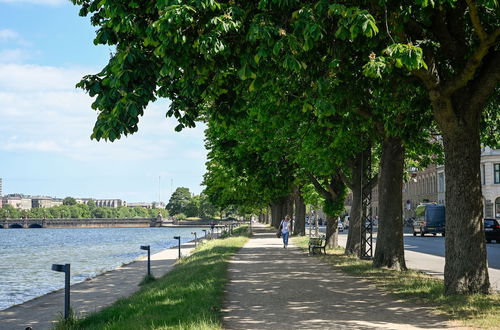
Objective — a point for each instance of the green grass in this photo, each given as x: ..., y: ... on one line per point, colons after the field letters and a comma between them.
x: 477, y: 311
x: 188, y: 297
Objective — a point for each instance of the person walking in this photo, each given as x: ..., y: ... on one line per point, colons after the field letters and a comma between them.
x: 285, y: 230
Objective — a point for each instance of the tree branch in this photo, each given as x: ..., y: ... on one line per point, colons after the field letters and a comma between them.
x: 476, y: 23
x: 427, y: 78
x: 335, y: 186
x: 440, y: 29
x: 319, y: 187
x: 346, y: 181
x: 473, y: 63
x: 366, y: 113
x: 486, y: 82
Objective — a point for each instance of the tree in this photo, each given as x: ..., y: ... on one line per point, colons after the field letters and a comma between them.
x: 192, y: 209
x: 457, y: 60
x: 206, y: 56
x: 69, y: 201
x: 10, y: 212
x: 179, y: 200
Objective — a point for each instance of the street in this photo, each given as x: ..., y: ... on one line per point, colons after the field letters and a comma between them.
x: 427, y: 254
x: 429, y: 244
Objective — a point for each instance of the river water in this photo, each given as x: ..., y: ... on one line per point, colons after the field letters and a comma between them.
x: 27, y: 255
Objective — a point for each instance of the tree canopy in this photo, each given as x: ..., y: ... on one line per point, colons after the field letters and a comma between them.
x: 281, y: 82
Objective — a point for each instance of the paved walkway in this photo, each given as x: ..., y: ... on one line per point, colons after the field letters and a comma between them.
x: 274, y: 288
x: 89, y: 296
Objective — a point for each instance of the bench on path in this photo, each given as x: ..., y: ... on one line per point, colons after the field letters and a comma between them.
x: 317, y: 244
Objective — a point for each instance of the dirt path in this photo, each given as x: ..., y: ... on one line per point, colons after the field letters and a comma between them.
x: 275, y: 288
x: 89, y: 296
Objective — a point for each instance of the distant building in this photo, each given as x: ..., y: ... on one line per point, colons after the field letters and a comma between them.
x: 159, y: 205
x: 44, y: 202
x: 429, y: 186
x: 17, y: 201
x: 141, y: 204
x: 109, y: 202
x: 102, y: 202
x: 490, y: 180
x: 421, y: 188
x: 84, y: 200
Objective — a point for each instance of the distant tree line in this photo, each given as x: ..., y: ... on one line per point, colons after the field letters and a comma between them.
x: 78, y: 211
x: 182, y: 204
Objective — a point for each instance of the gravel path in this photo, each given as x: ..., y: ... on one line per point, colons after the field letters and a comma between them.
x: 275, y: 288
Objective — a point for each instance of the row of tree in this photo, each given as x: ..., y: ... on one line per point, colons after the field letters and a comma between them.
x: 78, y: 211
x: 333, y: 95
x: 182, y: 202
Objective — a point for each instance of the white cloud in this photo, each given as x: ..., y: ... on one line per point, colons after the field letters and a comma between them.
x: 28, y: 77
x: 14, y: 55
x: 37, y: 2
x: 51, y: 146
x: 41, y: 111
x: 6, y: 34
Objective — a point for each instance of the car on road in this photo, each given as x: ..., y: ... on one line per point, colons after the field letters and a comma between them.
x: 429, y: 219
x: 340, y: 226
x: 492, y: 230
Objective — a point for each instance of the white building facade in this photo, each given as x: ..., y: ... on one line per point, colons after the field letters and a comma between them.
x: 490, y: 182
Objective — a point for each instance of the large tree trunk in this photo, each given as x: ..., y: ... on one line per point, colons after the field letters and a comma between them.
x: 389, y: 251
x: 332, y: 233
x: 353, y: 244
x: 466, y: 270
x: 277, y: 212
x: 334, y: 195
x: 300, y: 214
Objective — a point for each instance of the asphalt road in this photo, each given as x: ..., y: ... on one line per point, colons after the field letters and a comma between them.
x: 434, y: 245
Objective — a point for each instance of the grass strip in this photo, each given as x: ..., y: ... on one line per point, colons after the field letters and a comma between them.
x: 477, y: 311
x: 190, y: 296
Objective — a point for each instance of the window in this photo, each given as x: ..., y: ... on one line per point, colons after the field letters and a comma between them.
x: 483, y: 172
x: 441, y: 182
x: 497, y: 208
x: 496, y: 173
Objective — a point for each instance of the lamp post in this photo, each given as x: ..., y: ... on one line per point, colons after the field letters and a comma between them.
x: 179, y: 239
x: 66, y: 269
x: 147, y: 248
x: 194, y: 233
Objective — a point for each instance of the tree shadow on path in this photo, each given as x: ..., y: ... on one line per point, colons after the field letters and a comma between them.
x: 275, y: 288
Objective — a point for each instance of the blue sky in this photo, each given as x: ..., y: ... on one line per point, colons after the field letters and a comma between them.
x: 45, y: 123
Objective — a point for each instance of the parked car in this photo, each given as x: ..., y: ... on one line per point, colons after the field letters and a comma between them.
x: 430, y: 219
x: 340, y: 226
x: 492, y: 230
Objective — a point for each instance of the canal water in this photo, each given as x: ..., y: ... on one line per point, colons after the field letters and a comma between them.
x: 26, y: 255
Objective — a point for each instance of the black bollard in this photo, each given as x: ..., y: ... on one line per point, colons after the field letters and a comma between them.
x: 146, y: 247
x: 179, y: 238
x: 66, y: 269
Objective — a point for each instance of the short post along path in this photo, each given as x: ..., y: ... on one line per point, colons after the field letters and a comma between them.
x: 275, y: 288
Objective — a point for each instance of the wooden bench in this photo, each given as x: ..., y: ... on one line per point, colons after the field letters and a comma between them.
x: 317, y: 244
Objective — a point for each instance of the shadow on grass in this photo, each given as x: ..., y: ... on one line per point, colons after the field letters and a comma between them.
x: 474, y: 310
x: 190, y: 296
